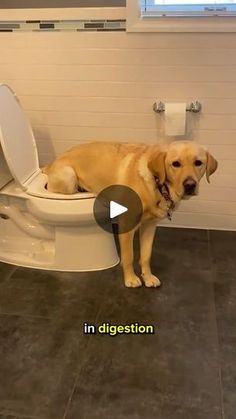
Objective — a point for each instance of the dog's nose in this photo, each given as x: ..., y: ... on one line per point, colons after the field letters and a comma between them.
x: 189, y: 185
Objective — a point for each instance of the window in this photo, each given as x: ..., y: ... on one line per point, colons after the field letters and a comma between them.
x: 155, y: 8
x: 181, y: 15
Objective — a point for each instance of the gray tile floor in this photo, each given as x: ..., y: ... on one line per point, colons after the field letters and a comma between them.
x: 187, y: 370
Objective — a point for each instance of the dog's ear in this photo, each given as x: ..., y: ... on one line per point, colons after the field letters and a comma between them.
x: 157, y: 165
x: 211, y: 166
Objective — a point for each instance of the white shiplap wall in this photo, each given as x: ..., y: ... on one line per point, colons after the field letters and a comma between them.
x: 77, y: 87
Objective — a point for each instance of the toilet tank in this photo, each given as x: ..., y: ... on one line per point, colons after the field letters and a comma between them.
x: 5, y: 174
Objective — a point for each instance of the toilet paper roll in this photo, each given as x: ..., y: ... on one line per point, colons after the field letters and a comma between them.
x: 175, y: 118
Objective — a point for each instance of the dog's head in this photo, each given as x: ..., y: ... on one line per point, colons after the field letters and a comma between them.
x: 182, y: 165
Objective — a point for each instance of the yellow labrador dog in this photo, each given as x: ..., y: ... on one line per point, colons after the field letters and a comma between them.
x: 162, y: 175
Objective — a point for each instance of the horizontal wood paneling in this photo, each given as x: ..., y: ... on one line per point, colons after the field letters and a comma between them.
x: 14, y: 4
x: 78, y: 87
x: 87, y: 133
x: 166, y: 91
x: 114, y: 56
x: 107, y: 104
x: 124, y: 40
x: 123, y: 73
x: 62, y: 13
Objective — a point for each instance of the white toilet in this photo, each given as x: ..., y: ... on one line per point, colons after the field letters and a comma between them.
x: 40, y: 229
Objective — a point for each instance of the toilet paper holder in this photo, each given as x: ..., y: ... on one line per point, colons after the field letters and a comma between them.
x: 194, y: 107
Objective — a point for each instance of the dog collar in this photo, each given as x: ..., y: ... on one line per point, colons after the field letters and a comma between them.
x: 165, y: 192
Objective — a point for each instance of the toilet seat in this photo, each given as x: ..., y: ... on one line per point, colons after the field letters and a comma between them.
x: 20, y: 150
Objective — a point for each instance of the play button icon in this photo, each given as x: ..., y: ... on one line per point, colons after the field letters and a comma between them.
x: 118, y: 208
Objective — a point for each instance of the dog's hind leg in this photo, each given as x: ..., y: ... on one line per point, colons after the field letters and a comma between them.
x: 147, y: 233
x: 62, y: 179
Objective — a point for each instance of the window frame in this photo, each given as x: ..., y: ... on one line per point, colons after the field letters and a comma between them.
x: 137, y: 23
x: 190, y: 10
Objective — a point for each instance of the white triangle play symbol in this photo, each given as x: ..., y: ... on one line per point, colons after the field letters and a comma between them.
x: 116, y: 209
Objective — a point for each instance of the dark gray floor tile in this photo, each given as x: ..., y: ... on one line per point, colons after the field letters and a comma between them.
x: 228, y: 372
x: 69, y: 298
x: 6, y: 416
x: 160, y: 411
x: 38, y: 365
x: 225, y: 298
x: 53, y: 280
x: 179, y: 248
x: 172, y: 374
x: 223, y: 250
x: 29, y: 278
x: 185, y: 299
x: 137, y: 376
x: 6, y: 271
x: 191, y: 235
x: 181, y: 252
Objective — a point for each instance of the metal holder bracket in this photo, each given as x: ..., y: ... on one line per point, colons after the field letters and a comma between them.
x: 194, y: 107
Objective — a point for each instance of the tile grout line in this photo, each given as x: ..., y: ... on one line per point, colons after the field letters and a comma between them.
x: 213, y: 276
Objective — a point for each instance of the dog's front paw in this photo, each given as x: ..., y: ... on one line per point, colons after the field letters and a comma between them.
x: 133, y: 281
x: 151, y: 281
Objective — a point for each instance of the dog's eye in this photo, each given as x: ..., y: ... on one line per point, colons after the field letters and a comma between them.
x: 176, y: 163
x: 198, y: 162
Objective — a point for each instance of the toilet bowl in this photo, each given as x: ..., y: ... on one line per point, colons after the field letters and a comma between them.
x: 38, y: 228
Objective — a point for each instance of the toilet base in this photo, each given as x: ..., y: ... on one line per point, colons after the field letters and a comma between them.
x: 73, y: 249
x: 27, y: 262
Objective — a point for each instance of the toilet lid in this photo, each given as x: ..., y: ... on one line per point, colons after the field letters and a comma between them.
x: 16, y: 137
